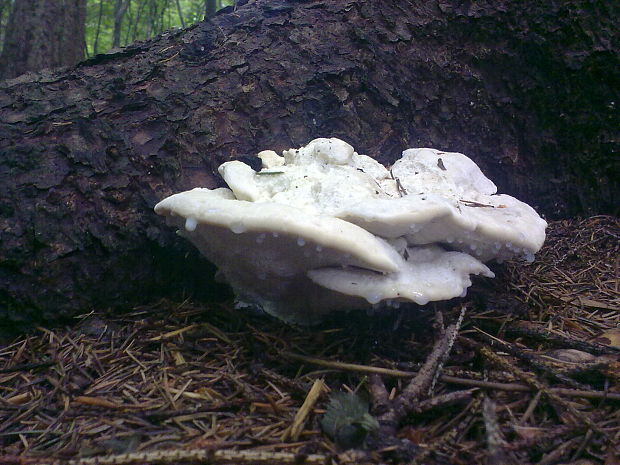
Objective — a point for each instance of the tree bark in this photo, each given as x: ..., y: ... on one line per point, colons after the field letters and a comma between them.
x: 528, y: 89
x: 43, y: 34
x: 180, y: 12
x: 98, y: 30
x: 120, y: 8
x: 210, y: 8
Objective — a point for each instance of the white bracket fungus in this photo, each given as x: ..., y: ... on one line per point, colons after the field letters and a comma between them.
x: 323, y: 228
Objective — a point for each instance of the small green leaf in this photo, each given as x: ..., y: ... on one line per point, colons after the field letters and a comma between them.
x: 347, y: 420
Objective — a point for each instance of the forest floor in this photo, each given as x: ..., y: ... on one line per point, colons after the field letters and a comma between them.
x: 533, y: 375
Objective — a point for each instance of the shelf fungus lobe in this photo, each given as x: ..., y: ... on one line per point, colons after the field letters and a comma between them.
x: 322, y: 228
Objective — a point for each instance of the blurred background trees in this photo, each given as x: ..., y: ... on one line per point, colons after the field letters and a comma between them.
x: 37, y: 34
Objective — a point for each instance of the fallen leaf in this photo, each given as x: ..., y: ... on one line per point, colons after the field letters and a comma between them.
x: 611, y: 337
x: 571, y: 355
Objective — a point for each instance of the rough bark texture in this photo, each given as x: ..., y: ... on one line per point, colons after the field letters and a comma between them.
x: 120, y: 8
x: 43, y: 34
x: 528, y: 89
x: 210, y: 8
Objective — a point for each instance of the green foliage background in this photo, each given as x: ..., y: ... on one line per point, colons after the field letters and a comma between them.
x: 142, y: 20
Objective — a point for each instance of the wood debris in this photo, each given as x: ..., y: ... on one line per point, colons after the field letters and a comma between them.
x: 530, y: 375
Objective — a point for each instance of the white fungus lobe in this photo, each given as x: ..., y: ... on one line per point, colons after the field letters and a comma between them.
x: 190, y: 224
x: 322, y: 228
x: 237, y: 228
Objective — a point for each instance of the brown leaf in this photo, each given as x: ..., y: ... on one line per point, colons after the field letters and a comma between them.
x: 610, y: 337
x: 95, y: 401
x: 613, y: 456
x: 529, y: 432
x: 415, y: 435
x: 571, y: 355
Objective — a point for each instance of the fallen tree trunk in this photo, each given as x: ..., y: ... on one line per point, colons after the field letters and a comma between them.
x: 529, y: 90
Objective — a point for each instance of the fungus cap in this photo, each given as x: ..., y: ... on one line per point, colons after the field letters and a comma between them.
x: 322, y: 228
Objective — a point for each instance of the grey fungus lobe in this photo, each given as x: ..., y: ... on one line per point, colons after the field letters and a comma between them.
x: 325, y: 229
